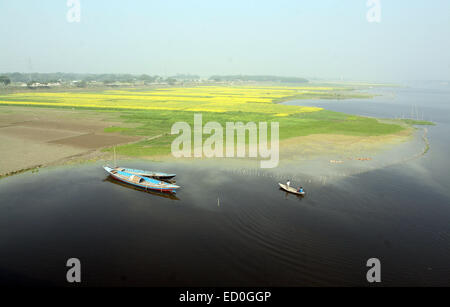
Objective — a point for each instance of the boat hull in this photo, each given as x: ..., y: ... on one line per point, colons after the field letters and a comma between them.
x: 149, y: 174
x: 159, y: 177
x: 142, y: 186
x: 141, y: 182
x: 290, y: 189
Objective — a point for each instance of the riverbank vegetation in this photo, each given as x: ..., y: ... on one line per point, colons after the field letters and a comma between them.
x: 418, y: 122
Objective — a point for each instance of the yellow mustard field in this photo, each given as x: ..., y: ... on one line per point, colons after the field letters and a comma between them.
x: 195, y: 99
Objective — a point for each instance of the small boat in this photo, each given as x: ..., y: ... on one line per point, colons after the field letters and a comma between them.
x: 290, y: 189
x: 140, y: 181
x: 150, y: 174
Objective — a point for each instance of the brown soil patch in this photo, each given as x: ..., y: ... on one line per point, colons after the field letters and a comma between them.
x: 31, y: 137
x: 78, y: 125
x: 35, y: 134
x: 94, y: 141
x: 18, y: 154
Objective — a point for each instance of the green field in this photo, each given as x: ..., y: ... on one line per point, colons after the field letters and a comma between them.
x: 153, y: 123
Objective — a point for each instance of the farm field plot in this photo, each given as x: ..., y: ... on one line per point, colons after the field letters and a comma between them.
x: 146, y: 115
x: 258, y: 99
x: 35, y: 137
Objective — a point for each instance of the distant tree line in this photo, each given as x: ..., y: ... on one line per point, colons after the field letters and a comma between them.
x: 185, y: 77
x: 110, y: 79
x: 258, y: 79
x: 67, y: 77
x: 45, y: 78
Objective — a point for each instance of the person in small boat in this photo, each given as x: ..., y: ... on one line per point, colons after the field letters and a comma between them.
x: 288, y: 183
x: 300, y: 190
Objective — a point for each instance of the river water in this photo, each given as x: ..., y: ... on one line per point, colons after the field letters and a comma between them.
x: 228, y: 228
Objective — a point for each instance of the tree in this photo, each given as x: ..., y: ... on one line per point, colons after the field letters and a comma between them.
x: 82, y: 84
x: 30, y: 83
x: 5, y: 80
x: 109, y: 81
x: 145, y: 77
x: 171, y: 81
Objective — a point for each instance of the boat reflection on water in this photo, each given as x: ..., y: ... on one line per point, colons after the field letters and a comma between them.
x: 292, y: 196
x: 164, y: 195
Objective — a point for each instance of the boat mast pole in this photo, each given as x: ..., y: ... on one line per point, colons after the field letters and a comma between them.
x: 114, y: 156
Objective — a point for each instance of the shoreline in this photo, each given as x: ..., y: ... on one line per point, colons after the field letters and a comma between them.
x: 321, y: 149
x: 323, y: 166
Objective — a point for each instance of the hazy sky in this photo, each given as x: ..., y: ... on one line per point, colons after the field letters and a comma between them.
x: 323, y: 39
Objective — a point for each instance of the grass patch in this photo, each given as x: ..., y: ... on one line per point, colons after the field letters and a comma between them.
x: 153, y: 123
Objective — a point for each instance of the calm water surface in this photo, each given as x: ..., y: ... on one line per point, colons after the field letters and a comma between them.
x: 226, y: 228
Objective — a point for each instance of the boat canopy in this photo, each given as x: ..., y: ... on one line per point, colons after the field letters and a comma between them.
x: 136, y: 179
